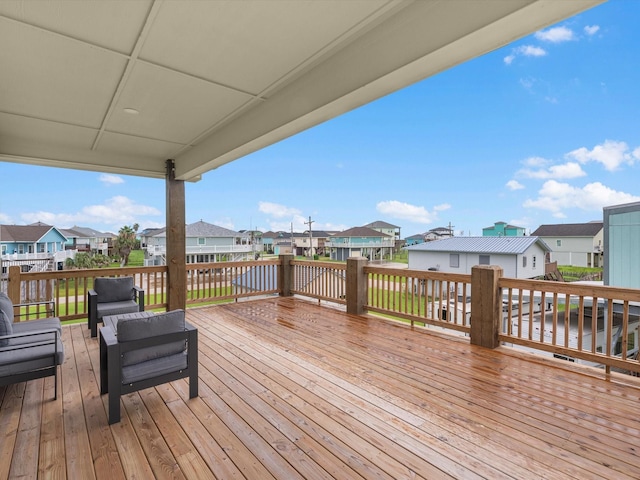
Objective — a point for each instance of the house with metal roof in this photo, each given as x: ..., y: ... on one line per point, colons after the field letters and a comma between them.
x: 576, y: 244
x: 519, y: 257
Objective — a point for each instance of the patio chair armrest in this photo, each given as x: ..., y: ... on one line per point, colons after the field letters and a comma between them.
x: 51, y: 310
x: 139, y: 294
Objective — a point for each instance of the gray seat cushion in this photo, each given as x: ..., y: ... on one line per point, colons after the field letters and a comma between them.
x: 116, y: 308
x: 40, y: 324
x: 32, y: 352
x: 134, y: 327
x: 114, y: 289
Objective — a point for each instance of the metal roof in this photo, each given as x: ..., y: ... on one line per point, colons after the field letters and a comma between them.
x: 502, y: 245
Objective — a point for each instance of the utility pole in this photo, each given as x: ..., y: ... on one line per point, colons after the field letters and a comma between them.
x: 293, y: 249
x: 310, y: 237
x: 451, y: 227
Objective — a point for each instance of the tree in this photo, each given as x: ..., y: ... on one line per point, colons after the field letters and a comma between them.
x: 125, y: 242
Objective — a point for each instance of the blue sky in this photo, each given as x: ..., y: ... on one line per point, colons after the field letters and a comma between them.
x: 544, y: 130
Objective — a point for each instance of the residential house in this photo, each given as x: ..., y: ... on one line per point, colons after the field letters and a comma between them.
x: 361, y: 242
x: 35, y: 247
x: 388, y: 229
x: 86, y: 239
x: 576, y: 244
x: 205, y: 243
x: 503, y: 229
x: 621, y: 239
x: 437, y: 233
x: 519, y: 257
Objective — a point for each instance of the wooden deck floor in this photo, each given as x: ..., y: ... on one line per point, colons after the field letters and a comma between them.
x: 289, y: 389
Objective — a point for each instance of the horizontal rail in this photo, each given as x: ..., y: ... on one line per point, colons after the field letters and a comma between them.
x: 430, y: 298
x: 597, y: 325
x: 321, y: 280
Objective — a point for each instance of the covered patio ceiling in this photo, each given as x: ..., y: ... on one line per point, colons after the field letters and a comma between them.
x: 122, y: 86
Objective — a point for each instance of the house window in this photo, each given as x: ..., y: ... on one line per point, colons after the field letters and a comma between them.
x: 558, y: 243
x: 454, y: 260
x: 41, y: 248
x: 20, y: 248
x: 524, y: 261
x: 484, y: 259
x: 201, y: 241
x: 533, y: 261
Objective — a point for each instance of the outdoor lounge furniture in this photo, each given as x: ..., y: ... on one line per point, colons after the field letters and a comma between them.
x: 141, y: 350
x: 30, y: 349
x: 112, y: 296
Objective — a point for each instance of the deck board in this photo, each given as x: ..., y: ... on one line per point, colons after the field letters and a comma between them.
x: 290, y: 389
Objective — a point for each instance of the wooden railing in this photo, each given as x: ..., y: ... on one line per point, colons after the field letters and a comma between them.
x: 555, y: 318
x: 595, y: 324
x: 429, y: 298
x: 227, y: 281
x: 320, y: 280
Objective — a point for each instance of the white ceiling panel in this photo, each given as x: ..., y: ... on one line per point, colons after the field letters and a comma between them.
x: 215, y: 80
x: 249, y: 45
x: 113, y: 24
x: 138, y: 146
x: 48, y: 76
x: 172, y: 106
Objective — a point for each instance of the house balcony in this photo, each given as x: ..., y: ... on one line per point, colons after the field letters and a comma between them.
x: 204, y: 249
x: 341, y: 371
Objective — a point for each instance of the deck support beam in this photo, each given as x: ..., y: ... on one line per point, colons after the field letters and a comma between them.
x: 176, y: 241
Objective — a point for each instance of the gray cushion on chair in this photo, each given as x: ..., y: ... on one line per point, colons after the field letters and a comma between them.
x: 114, y: 289
x: 116, y: 308
x: 5, y: 328
x: 6, y: 317
x: 135, y: 328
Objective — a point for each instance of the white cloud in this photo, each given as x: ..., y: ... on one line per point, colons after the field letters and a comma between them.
x: 555, y: 35
x: 277, y: 210
x: 611, y: 154
x: 591, y: 29
x: 536, y: 162
x: 514, y: 185
x: 5, y: 219
x: 531, y: 51
x: 406, y: 211
x: 111, y: 179
x: 566, y: 170
x: 556, y: 197
x: 525, y: 51
x: 442, y: 207
x: 116, y: 212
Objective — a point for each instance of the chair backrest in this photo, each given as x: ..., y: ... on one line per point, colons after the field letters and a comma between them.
x: 6, y: 318
x: 116, y: 289
x: 136, y: 328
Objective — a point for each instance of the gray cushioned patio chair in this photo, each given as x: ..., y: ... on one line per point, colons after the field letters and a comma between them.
x: 142, y: 350
x: 112, y: 296
x: 29, y: 349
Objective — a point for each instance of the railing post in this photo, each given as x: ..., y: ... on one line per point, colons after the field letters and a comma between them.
x: 13, y: 286
x: 486, y: 305
x: 285, y: 275
x: 356, y: 287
